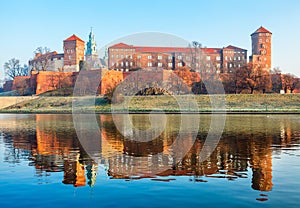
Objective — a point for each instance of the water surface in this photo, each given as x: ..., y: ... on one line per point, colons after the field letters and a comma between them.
x: 44, y: 164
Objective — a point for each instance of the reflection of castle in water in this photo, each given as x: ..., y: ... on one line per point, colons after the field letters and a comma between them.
x: 54, y: 147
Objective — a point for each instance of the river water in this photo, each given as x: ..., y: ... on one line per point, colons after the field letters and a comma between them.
x: 43, y: 163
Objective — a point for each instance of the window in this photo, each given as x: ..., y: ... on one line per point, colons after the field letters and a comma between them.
x: 218, y: 65
x: 179, y: 64
x: 149, y: 64
x: 170, y: 57
x: 122, y: 64
x: 139, y: 57
x: 149, y: 57
x: 159, y: 57
x: 159, y: 64
x: 170, y: 65
x: 117, y: 49
x: 239, y: 65
x: 179, y: 57
x: 122, y: 56
x: 117, y: 56
x: 131, y: 64
x: 218, y: 58
x: 112, y: 49
x: 112, y: 56
x: 126, y: 63
x: 239, y: 58
x: 70, y: 57
x: 112, y: 63
x: 230, y: 65
x: 126, y: 56
x: 208, y: 58
x: 230, y: 58
x: 234, y: 58
x: 226, y: 58
x: 117, y: 64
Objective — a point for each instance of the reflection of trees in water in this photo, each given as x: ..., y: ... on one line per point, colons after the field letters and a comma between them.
x: 53, y: 147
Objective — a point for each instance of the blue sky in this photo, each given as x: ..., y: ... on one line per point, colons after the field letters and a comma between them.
x: 26, y: 25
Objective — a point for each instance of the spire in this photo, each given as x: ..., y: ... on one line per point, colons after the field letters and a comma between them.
x: 91, y: 44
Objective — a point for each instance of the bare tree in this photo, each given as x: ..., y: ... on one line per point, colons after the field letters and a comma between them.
x: 42, y: 59
x: 290, y: 82
x: 13, y: 68
x: 276, y: 76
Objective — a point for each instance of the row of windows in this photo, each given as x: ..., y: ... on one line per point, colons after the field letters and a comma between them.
x: 122, y: 64
x: 121, y: 56
x: 229, y: 65
x: 262, y: 34
x: 159, y: 57
x: 261, y: 40
x: 234, y: 58
x: 260, y: 59
x: 126, y: 49
x: 243, y: 52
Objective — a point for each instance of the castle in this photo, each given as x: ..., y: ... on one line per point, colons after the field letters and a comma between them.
x: 69, y: 61
x: 123, y: 57
x: 52, y: 70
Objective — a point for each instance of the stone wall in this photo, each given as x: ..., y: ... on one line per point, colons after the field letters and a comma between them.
x: 47, y: 81
x: 101, y: 80
x: 8, y: 85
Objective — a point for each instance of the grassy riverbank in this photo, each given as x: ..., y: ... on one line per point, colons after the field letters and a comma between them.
x: 276, y: 103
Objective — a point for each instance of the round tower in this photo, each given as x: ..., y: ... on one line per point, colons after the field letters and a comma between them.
x: 262, y: 48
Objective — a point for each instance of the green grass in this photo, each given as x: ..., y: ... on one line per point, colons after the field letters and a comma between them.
x: 234, y: 103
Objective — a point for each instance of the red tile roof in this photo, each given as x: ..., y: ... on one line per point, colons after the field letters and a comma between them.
x: 73, y: 37
x: 121, y: 45
x: 261, y: 30
x: 147, y: 49
x: 234, y: 48
x: 161, y: 49
x: 211, y: 50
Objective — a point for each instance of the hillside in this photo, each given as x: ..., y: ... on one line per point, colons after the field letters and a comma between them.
x: 234, y: 103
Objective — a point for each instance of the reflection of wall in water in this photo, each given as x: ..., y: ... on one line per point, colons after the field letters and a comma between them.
x: 233, y: 154
x: 74, y: 172
x: 261, y: 162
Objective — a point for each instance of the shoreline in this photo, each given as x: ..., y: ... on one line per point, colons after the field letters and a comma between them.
x: 162, y: 112
x: 234, y: 104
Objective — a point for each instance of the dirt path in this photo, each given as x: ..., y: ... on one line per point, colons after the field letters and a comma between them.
x: 12, y: 100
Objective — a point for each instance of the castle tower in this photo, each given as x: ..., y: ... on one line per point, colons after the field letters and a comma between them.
x: 91, y: 55
x: 73, y: 53
x: 261, y: 48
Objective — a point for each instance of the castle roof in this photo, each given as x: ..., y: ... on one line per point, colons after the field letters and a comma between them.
x: 231, y: 47
x: 261, y: 30
x: 121, y: 45
x: 149, y: 49
x: 73, y: 37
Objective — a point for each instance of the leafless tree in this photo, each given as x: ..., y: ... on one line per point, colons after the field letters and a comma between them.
x: 42, y: 59
x: 13, y: 68
x: 290, y: 82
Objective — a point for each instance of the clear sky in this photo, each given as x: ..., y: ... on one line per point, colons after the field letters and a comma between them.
x: 26, y: 25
